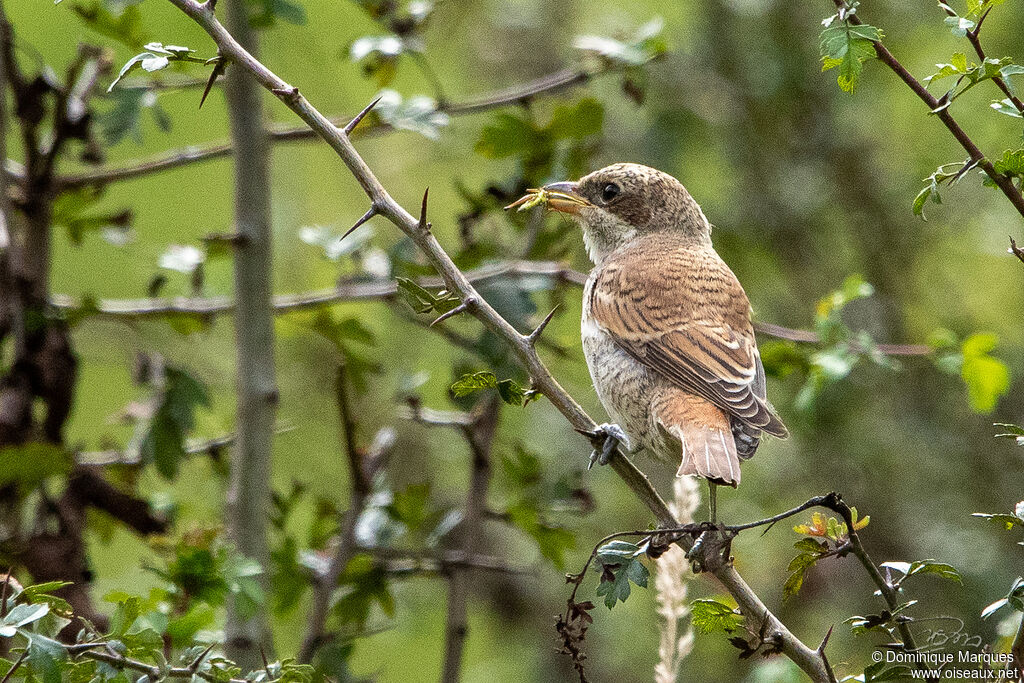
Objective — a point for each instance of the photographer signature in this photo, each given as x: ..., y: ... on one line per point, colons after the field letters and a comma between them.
x: 942, y: 637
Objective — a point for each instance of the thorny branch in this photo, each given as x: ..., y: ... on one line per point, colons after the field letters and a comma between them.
x: 808, y: 659
x: 385, y: 289
x: 520, y: 94
x: 707, y: 545
x: 936, y: 106
x: 120, y: 662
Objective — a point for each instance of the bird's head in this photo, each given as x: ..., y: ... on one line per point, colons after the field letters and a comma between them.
x: 624, y: 201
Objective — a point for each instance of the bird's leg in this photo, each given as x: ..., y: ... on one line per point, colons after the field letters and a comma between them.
x: 605, y: 439
x: 713, y: 501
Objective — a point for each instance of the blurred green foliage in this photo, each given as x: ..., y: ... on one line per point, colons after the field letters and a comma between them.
x: 808, y: 186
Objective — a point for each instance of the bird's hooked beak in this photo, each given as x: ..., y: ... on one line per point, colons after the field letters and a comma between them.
x: 565, y: 197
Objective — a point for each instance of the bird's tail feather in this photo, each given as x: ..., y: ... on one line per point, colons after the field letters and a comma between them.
x: 701, y: 432
x: 711, y: 454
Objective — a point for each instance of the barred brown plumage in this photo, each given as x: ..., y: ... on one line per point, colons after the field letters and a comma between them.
x: 666, y: 324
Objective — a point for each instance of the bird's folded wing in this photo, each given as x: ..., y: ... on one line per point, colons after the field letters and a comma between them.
x: 683, y: 313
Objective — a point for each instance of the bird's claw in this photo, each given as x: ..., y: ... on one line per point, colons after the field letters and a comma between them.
x: 605, y: 439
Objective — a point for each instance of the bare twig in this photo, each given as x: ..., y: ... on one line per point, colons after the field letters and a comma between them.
x: 455, y: 281
x: 1004, y: 182
x: 552, y: 83
x: 479, y: 435
x: 359, y: 478
x: 367, y: 290
x: 14, y: 667
x: 411, y: 562
x: 111, y: 457
x: 809, y: 337
x: 346, y: 290
x: 154, y: 672
x: 361, y: 472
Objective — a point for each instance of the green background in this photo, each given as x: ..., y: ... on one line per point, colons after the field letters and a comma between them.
x: 805, y: 185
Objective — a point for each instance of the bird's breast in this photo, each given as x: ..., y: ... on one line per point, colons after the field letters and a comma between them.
x: 624, y: 385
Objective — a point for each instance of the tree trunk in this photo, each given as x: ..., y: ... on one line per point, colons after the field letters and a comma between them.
x: 249, y: 493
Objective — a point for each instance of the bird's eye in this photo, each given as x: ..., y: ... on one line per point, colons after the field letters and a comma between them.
x: 610, y: 192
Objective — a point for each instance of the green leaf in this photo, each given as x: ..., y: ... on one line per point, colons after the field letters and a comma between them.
x: 878, y: 672
x: 44, y: 657
x: 1014, y: 599
x: 1012, y: 431
x: 848, y: 46
x: 410, y: 506
x: 378, y: 56
x: 959, y: 26
x: 854, y: 287
x: 157, y: 56
x: 1008, y: 108
x: 124, y: 26
x: 21, y: 615
x: 909, y: 569
x: 422, y: 301
x: 70, y: 210
x: 975, y: 8
x: 987, y: 378
x: 1012, y: 163
x: 124, y: 616
x: 618, y: 552
x: 174, y: 416
x: 578, y: 121
x: 510, y: 391
x: 708, y: 616
x: 798, y: 566
x: 40, y: 594
x: 947, y: 173
x: 552, y: 541
x: 811, y: 546
x: 1008, y: 521
x: 331, y: 242
x: 616, y: 579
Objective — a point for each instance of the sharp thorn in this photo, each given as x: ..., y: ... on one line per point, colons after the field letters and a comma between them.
x: 535, y: 335
x: 461, y: 308
x: 194, y: 666
x: 218, y: 69
x: 824, y: 641
x: 365, y: 217
x: 423, y: 224
x: 350, y: 126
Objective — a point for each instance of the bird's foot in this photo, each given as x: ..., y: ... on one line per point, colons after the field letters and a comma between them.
x: 605, y: 439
